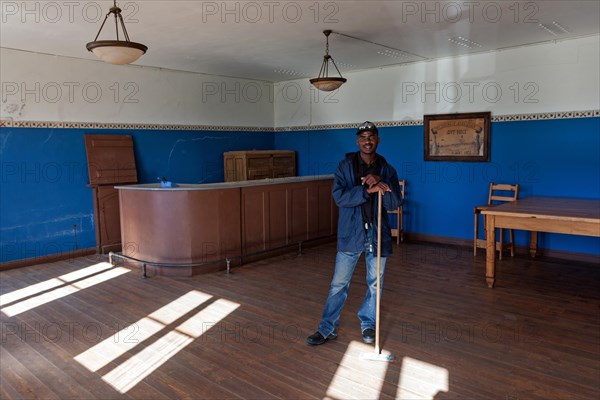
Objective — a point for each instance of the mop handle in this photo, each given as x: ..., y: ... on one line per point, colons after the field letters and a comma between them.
x: 377, y: 303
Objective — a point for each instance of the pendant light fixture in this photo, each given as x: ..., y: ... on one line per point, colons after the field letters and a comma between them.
x: 116, y: 51
x: 324, y: 82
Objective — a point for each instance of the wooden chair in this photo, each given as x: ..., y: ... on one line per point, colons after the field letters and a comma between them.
x: 398, y: 232
x: 499, y: 193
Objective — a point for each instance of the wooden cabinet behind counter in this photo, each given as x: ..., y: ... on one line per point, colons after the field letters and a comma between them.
x: 259, y: 164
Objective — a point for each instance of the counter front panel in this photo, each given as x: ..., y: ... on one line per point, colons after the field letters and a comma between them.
x: 194, y: 224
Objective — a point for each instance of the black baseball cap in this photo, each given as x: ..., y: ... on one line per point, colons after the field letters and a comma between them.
x: 367, y: 126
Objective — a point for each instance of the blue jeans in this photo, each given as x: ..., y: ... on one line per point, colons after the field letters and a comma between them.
x: 344, y: 268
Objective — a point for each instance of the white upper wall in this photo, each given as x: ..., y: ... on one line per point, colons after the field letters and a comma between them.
x: 560, y: 76
x: 38, y: 87
x: 552, y: 77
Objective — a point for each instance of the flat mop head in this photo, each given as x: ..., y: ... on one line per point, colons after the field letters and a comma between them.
x: 377, y: 356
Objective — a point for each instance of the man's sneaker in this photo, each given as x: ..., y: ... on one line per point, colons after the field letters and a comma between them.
x: 368, y: 335
x: 316, y: 338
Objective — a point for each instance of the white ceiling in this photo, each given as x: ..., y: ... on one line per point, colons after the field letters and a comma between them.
x: 281, y: 40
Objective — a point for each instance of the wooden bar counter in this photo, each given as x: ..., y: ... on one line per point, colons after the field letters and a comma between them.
x: 193, y: 224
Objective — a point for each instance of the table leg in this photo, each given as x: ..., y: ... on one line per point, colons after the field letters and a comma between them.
x: 490, y: 251
x: 533, y: 244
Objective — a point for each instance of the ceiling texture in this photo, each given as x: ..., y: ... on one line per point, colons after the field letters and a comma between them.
x: 283, y: 40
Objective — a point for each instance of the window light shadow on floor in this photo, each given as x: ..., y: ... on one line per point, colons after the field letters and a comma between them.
x: 35, y: 295
x: 357, y: 378
x: 129, y: 337
x: 133, y: 370
x: 419, y: 379
x: 130, y: 355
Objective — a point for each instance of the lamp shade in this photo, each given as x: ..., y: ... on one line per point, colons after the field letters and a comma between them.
x: 327, y: 84
x: 117, y: 52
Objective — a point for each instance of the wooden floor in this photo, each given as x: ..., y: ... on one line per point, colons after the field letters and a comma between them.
x: 104, y: 332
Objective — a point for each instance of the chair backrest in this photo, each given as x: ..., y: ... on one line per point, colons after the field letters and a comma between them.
x: 402, y: 185
x: 501, y: 192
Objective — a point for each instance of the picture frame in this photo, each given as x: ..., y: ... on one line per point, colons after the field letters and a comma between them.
x: 457, y: 137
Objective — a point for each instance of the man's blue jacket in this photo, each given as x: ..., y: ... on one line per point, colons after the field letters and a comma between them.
x: 350, y: 196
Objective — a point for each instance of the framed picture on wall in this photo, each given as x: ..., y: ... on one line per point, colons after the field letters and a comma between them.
x: 457, y: 137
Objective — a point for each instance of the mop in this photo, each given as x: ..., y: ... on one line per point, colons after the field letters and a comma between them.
x: 376, y: 355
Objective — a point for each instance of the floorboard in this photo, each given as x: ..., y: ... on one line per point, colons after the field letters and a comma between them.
x: 112, y: 334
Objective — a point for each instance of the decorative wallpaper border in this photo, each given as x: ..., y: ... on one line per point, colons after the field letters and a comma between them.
x: 417, y: 122
x: 382, y: 124
x: 112, y: 125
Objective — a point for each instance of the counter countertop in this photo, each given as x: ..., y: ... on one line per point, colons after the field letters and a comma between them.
x: 225, y: 185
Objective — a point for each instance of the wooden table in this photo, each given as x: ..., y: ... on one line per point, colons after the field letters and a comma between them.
x: 539, y: 214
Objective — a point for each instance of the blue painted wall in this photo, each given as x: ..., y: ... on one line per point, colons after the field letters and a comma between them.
x: 43, y: 175
x: 546, y: 157
x: 43, y: 178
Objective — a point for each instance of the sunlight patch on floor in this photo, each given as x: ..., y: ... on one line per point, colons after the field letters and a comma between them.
x: 63, y: 291
x: 419, y: 379
x: 37, y: 288
x: 127, y: 338
x: 356, y: 378
x: 140, y: 365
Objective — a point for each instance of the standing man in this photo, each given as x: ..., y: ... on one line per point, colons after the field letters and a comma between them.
x: 358, y: 179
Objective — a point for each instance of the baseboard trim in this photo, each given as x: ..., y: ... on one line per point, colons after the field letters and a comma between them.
x: 562, y: 255
x: 447, y: 240
x: 27, y: 262
x: 519, y: 250
x: 408, y: 237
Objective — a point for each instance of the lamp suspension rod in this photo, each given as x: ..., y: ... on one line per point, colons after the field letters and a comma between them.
x: 325, y: 66
x: 124, y: 29
x: 116, y: 23
x: 102, y: 26
x: 323, y: 69
x: 336, y: 68
x: 118, y: 20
